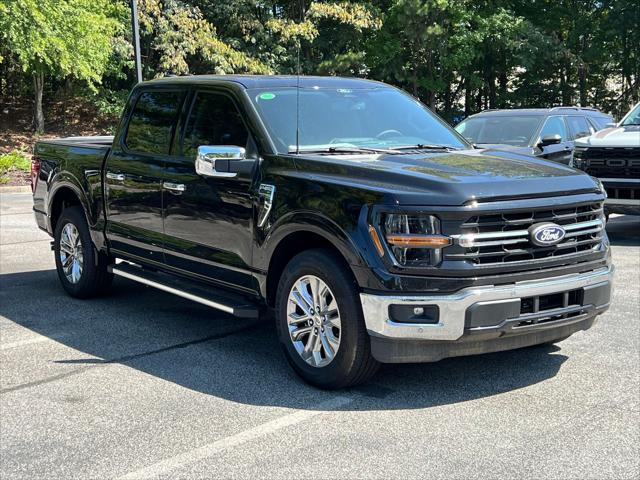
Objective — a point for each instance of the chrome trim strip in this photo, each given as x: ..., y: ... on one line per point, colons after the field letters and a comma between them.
x: 620, y: 180
x: 174, y: 291
x: 589, y: 223
x: 622, y: 201
x: 266, y: 193
x: 453, y: 307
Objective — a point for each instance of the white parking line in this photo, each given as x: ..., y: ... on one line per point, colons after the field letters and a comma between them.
x: 30, y: 341
x: 206, y: 451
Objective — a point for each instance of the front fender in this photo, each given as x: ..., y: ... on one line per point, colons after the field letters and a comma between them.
x: 347, y: 239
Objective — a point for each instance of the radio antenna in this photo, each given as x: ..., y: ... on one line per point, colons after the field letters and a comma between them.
x: 298, y: 41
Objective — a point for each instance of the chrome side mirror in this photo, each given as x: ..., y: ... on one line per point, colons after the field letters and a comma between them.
x: 214, y: 160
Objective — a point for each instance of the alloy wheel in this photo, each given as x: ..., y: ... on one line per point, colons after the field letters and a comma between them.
x: 71, y: 256
x: 314, y: 323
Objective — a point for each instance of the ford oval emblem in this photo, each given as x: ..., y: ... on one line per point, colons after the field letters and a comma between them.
x: 546, y: 234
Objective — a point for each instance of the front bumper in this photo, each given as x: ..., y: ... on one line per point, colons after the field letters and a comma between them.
x: 492, y: 311
x: 623, y: 195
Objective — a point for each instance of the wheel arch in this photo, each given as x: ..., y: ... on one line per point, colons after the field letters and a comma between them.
x: 297, y: 238
x: 64, y: 196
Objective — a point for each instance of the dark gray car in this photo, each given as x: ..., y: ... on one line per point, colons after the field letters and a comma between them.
x: 543, y: 132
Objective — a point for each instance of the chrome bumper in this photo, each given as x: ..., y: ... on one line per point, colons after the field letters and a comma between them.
x: 453, y: 308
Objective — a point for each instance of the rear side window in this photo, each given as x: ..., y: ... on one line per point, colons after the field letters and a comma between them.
x: 579, y: 126
x: 152, y: 122
x: 554, y: 126
x: 214, y: 120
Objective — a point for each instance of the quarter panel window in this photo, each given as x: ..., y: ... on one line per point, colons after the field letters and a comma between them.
x: 152, y: 122
x: 214, y: 120
x: 553, y: 126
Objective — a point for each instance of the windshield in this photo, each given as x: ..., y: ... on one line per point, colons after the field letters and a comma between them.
x: 633, y: 117
x: 330, y: 119
x: 510, y: 130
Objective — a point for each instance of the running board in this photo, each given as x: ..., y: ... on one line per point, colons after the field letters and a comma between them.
x: 228, y: 302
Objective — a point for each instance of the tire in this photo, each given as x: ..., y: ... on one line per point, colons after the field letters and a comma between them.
x: 351, y: 362
x: 92, y: 278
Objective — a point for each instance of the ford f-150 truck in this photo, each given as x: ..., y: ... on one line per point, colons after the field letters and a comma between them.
x: 613, y: 156
x: 371, y: 230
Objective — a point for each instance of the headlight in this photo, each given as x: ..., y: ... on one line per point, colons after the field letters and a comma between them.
x: 414, y: 239
x: 577, y: 160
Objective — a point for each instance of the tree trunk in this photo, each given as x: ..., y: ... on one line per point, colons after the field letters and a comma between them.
x: 38, y: 115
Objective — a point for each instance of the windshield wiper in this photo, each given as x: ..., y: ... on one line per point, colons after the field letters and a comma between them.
x: 424, y: 146
x: 342, y: 149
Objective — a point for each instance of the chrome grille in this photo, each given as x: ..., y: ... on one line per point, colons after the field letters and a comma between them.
x: 505, y: 238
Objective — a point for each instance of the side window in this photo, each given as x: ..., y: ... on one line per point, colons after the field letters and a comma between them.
x: 152, y: 122
x: 214, y: 120
x: 579, y: 126
x: 553, y: 126
x: 600, y: 123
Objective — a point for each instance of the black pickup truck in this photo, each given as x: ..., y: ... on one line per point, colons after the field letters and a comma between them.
x: 370, y: 229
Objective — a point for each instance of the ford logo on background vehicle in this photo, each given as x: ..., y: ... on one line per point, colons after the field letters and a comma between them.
x: 545, y: 234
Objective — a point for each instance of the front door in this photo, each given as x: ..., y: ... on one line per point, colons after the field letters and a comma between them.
x: 208, y: 220
x: 134, y: 175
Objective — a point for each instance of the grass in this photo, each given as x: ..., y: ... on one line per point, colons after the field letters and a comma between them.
x: 12, y: 161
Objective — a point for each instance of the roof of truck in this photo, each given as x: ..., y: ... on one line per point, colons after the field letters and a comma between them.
x: 271, y: 81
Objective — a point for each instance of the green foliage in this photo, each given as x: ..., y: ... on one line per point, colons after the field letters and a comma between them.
x: 64, y: 38
x: 110, y: 103
x: 14, y: 160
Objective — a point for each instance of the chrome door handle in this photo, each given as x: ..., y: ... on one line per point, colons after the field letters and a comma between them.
x: 175, y: 188
x: 115, y: 176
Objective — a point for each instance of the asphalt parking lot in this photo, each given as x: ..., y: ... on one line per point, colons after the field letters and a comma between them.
x: 146, y: 385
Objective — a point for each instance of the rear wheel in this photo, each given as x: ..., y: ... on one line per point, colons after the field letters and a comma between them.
x: 320, y: 322
x: 82, y: 269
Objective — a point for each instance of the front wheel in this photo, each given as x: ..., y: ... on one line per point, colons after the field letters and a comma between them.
x: 82, y: 269
x: 320, y: 322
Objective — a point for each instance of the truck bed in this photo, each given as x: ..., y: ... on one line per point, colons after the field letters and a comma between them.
x: 72, y: 161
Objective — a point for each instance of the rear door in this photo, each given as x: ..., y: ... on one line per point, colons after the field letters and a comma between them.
x: 560, y: 152
x: 134, y: 175
x: 208, y: 220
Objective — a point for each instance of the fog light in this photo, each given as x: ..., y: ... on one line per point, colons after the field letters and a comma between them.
x: 429, y: 314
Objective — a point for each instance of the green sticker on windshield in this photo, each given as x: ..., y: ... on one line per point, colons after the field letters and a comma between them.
x: 267, y: 96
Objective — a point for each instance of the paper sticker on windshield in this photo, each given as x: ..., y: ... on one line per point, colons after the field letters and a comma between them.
x: 267, y: 96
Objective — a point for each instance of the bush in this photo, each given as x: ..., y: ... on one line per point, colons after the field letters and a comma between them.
x: 110, y: 102
x: 14, y: 160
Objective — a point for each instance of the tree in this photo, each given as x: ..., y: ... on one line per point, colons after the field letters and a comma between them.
x: 59, y: 38
x: 177, y: 39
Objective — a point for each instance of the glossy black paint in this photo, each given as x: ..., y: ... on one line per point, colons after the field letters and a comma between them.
x: 211, y: 231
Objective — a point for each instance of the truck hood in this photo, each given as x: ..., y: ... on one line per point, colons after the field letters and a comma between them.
x: 452, y: 178
x: 623, y: 136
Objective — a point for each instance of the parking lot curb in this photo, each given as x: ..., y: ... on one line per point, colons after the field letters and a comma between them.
x: 15, y: 189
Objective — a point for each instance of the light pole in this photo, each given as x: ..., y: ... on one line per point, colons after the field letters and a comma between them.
x: 136, y: 38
